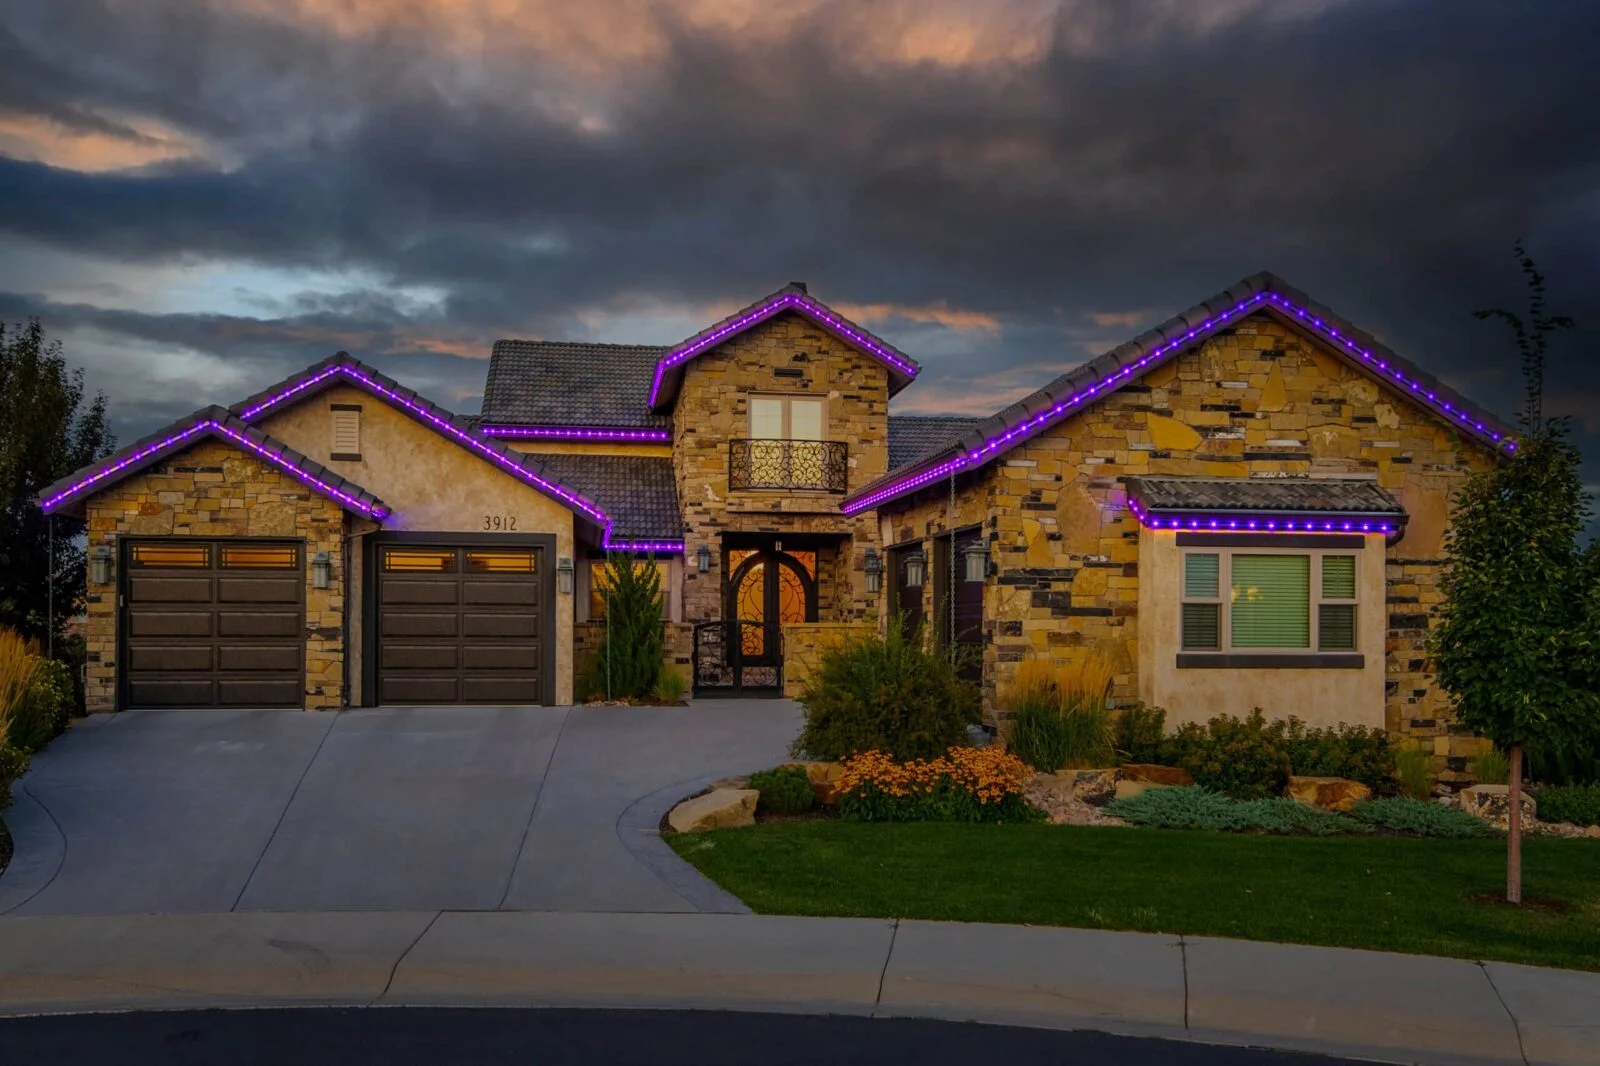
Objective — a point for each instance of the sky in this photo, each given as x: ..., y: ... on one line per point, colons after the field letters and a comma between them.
x: 199, y: 197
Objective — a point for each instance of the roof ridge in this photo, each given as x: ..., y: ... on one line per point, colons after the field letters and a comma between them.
x: 581, y: 344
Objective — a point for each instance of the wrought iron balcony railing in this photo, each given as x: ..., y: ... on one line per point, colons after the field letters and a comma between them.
x: 815, y: 465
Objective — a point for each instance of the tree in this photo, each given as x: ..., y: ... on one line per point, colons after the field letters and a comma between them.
x: 628, y: 661
x: 1515, y: 643
x: 47, y: 431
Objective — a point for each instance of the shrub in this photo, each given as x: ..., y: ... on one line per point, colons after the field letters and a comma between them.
x: 628, y: 661
x: 1355, y: 753
x: 1406, y: 815
x: 1492, y: 767
x: 1199, y: 808
x: 895, y: 693
x: 1413, y: 771
x: 13, y: 763
x: 1060, y: 718
x: 1562, y: 765
x: 670, y: 687
x: 41, y: 713
x: 1578, y: 804
x: 1240, y: 757
x: 1139, y: 733
x: 963, y: 785
x: 784, y: 790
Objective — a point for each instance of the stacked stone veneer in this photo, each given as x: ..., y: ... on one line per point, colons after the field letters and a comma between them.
x: 712, y: 409
x: 215, y: 490
x: 1258, y: 400
x: 804, y: 644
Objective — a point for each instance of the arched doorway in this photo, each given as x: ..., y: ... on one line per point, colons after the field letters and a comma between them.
x: 770, y: 587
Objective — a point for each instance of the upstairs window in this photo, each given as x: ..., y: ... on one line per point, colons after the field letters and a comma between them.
x: 1268, y: 601
x: 786, y: 418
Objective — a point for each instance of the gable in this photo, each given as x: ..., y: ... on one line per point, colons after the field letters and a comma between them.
x: 1260, y: 297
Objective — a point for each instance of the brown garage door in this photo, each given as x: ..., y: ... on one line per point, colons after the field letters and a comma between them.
x: 213, y: 624
x: 461, y: 625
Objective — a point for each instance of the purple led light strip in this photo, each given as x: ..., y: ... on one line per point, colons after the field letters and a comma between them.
x: 1121, y: 377
x: 213, y: 426
x: 1262, y: 523
x: 654, y: 436
x: 804, y: 304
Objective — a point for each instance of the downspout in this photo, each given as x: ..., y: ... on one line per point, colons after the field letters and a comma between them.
x: 344, y: 562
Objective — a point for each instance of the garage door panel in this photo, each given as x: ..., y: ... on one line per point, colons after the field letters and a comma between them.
x: 398, y: 590
x: 187, y: 589
x: 485, y: 689
x: 258, y: 692
x: 188, y: 658
x: 161, y: 691
x: 159, y: 623
x: 523, y: 658
x: 401, y: 657
x: 260, y: 590
x: 416, y: 624
x: 258, y: 624
x: 400, y: 688
x: 500, y: 625
x: 504, y: 593
x: 245, y: 658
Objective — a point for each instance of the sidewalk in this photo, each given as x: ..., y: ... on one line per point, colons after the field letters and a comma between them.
x: 1353, y: 1003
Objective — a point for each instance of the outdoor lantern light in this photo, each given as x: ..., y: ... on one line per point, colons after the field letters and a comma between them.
x: 564, y: 575
x: 874, y: 570
x: 976, y: 558
x: 916, y: 566
x: 320, y: 566
x: 100, y: 564
x: 703, y: 558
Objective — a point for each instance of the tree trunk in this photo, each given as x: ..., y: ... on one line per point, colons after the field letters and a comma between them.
x: 1514, y: 825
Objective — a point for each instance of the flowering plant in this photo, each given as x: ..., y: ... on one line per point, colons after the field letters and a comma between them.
x: 962, y: 785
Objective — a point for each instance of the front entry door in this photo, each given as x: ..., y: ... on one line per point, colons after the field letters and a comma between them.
x: 771, y: 587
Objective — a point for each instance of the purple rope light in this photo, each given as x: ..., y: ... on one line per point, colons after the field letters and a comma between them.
x: 1265, y: 522
x: 606, y: 433
x: 377, y: 511
x: 1121, y: 377
x: 804, y: 304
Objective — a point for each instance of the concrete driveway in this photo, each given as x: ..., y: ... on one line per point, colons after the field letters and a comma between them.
x: 386, y: 809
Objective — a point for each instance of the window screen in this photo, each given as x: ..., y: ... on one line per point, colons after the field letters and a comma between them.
x: 1271, y: 601
x: 1336, y: 622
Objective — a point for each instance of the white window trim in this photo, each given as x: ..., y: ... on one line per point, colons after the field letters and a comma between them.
x: 1224, y: 599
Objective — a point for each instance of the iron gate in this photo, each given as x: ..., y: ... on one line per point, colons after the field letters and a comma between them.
x: 738, y: 658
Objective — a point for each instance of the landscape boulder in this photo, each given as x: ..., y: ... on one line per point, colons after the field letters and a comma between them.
x: 1156, y: 775
x: 1094, y: 787
x: 1128, y: 789
x: 1492, y: 803
x: 720, y: 808
x: 1328, y: 793
x: 824, y: 779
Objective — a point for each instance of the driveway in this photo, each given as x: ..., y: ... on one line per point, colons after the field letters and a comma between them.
x: 383, y: 809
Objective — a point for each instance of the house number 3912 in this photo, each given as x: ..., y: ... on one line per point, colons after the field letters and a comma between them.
x: 500, y: 521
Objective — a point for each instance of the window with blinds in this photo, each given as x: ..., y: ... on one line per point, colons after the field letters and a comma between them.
x: 1268, y: 601
x: 346, y: 431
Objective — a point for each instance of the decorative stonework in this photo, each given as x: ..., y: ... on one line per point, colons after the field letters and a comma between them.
x: 1257, y: 400
x: 804, y: 643
x: 215, y: 490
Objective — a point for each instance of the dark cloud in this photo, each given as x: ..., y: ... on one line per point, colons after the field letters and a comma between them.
x: 1381, y: 154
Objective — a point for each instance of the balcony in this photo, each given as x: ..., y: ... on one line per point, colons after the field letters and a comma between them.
x: 782, y: 465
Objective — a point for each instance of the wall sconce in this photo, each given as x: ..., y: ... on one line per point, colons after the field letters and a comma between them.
x: 100, y: 564
x: 703, y: 559
x: 320, y: 568
x: 564, y: 575
x: 916, y: 568
x: 874, y: 571
x: 976, y: 559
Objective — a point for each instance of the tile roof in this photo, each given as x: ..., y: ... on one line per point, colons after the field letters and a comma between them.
x: 561, y: 383
x: 913, y: 436
x: 1310, y: 496
x: 1100, y: 377
x: 639, y: 492
x: 206, y: 423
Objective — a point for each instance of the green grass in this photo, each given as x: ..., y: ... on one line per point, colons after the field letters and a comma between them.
x: 1384, y: 893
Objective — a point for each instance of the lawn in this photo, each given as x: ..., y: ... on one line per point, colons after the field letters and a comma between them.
x: 1385, y: 893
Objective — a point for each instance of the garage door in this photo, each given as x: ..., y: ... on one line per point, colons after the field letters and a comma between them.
x: 213, y: 624
x: 461, y: 625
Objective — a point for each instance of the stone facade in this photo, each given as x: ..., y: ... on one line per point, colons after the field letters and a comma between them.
x: 804, y: 643
x: 712, y: 409
x: 1259, y: 399
x: 215, y: 490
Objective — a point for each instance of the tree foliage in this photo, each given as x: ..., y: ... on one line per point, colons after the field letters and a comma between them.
x: 629, y: 659
x: 48, y: 429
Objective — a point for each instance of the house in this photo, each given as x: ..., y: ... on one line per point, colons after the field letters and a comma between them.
x: 1241, y: 507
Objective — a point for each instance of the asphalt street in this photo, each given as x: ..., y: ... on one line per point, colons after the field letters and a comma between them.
x: 483, y: 1037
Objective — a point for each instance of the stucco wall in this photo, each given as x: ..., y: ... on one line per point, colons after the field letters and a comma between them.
x: 1320, y: 697
x: 215, y: 490
x: 712, y: 409
x: 432, y: 485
